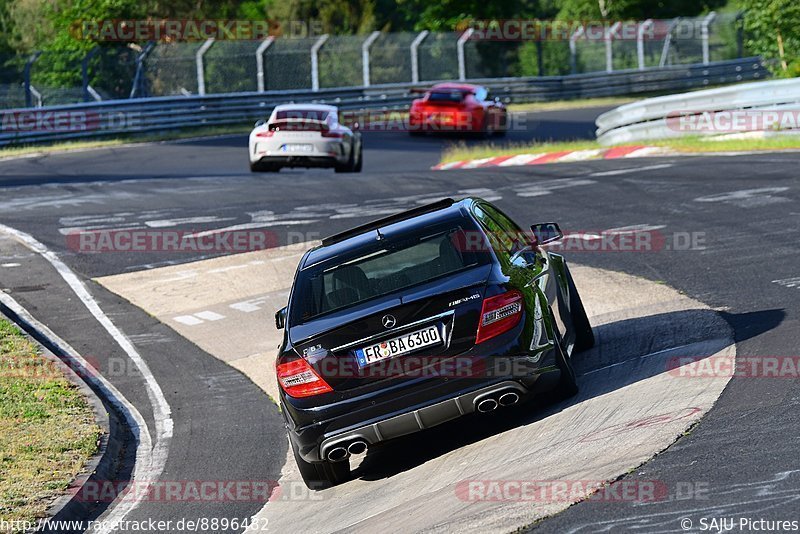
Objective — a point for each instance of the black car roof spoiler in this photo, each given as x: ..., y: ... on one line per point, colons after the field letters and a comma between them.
x: 374, y: 225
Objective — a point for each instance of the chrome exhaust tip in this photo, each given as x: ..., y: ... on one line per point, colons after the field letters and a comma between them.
x: 508, y: 398
x: 337, y: 454
x: 357, y: 447
x: 486, y: 405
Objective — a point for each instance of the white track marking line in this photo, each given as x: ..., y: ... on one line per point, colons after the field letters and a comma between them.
x: 162, y: 413
x: 580, y: 155
x: 519, y: 159
x: 635, y: 169
x: 788, y: 282
x: 144, y: 449
x: 165, y: 223
x: 209, y: 316
x: 188, y: 320
x: 476, y: 163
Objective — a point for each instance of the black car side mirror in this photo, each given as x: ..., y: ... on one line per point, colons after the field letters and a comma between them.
x: 545, y: 233
x: 280, y: 318
x: 260, y: 122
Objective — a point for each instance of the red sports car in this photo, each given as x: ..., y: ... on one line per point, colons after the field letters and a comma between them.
x: 457, y: 108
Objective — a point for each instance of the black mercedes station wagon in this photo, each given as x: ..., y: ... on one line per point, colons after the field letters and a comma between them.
x: 417, y: 319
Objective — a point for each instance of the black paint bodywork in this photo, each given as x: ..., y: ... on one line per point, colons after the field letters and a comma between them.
x: 377, y: 409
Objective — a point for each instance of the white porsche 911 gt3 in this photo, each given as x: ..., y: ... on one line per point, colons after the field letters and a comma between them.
x: 304, y: 135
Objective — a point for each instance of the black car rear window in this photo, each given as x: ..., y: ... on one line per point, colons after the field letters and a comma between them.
x: 387, y: 266
x: 446, y: 96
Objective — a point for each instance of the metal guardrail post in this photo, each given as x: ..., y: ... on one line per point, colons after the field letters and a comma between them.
x: 739, y: 23
x: 260, y: 80
x: 38, y: 96
x: 27, y: 77
x: 94, y: 94
x: 573, y: 49
x: 87, y: 94
x: 138, y: 78
x: 640, y: 41
x: 668, y: 41
x: 609, y: 38
x: 315, y: 61
x: 415, y: 55
x: 462, y: 60
x: 365, y: 56
x: 704, y: 33
x: 201, y: 71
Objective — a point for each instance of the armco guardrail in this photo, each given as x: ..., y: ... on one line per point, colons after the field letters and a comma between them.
x: 648, y: 119
x: 115, y: 117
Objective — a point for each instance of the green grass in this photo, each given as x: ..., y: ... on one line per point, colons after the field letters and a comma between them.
x: 124, y: 139
x: 556, y: 105
x: 47, y: 429
x: 461, y: 151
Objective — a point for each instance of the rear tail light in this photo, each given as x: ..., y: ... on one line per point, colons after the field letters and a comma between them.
x: 268, y: 133
x: 298, y: 379
x: 328, y: 133
x: 500, y: 314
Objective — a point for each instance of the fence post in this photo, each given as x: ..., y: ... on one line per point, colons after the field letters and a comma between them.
x: 462, y: 62
x: 739, y: 23
x: 609, y: 38
x: 38, y: 96
x: 704, y: 32
x: 640, y: 41
x: 667, y: 41
x: 201, y: 71
x: 260, y: 80
x: 27, y: 77
x: 415, y: 55
x: 315, y: 61
x: 573, y: 49
x: 138, y: 78
x: 365, y: 56
x: 87, y: 93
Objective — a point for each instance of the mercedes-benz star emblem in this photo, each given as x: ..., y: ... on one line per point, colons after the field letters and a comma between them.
x: 388, y: 321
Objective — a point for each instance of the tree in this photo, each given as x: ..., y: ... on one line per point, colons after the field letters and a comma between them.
x: 773, y: 29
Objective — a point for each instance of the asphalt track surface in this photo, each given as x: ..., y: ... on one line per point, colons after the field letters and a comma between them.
x: 742, y: 454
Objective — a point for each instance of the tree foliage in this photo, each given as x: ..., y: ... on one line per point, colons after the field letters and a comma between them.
x: 773, y: 29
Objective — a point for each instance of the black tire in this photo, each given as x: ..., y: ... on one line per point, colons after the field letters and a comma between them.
x: 264, y: 167
x: 350, y: 165
x: 567, y: 385
x: 584, y: 337
x: 321, y: 475
x: 360, y: 160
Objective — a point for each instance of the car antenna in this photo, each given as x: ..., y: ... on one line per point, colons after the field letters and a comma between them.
x: 380, y: 235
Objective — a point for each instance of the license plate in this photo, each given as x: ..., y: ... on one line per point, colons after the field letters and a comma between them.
x: 297, y: 148
x: 399, y: 345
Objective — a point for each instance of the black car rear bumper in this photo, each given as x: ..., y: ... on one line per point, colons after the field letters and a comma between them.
x: 300, y: 161
x: 408, y: 409
x: 420, y: 419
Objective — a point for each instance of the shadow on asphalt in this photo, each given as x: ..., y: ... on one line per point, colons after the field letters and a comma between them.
x: 616, y: 345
